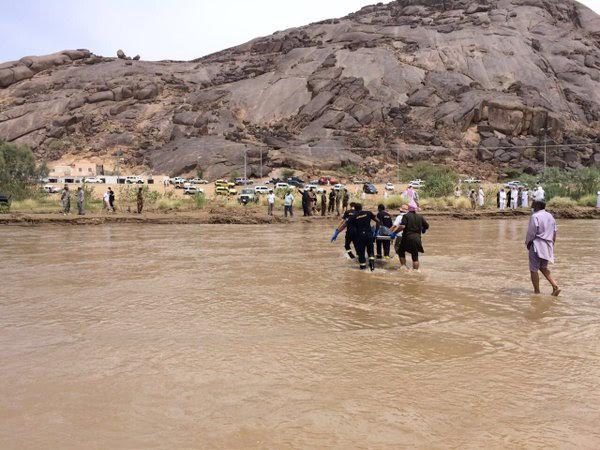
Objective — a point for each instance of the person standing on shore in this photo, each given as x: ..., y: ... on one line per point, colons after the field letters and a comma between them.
x: 481, y: 197
x: 305, y: 203
x: 331, y: 208
x: 323, y: 203
x: 140, y: 200
x: 288, y: 203
x: 538, y: 194
x: 338, y: 201
x: 80, y: 201
x: 502, y: 199
x: 514, y: 198
x: 111, y: 199
x: 473, y: 198
x: 540, y: 240
x: 411, y: 196
x: 525, y: 198
x: 105, y: 200
x: 65, y: 199
x: 270, y: 203
x: 598, y: 200
x: 345, y: 200
x: 413, y: 225
x: 312, y: 201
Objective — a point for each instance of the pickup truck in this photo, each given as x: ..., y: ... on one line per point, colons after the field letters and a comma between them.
x: 248, y: 196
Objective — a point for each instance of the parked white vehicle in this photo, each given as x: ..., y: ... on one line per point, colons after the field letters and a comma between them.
x: 471, y: 181
x: 192, y: 190
x: 262, y: 190
x: 282, y: 186
x: 418, y: 183
x: 93, y: 180
x: 134, y: 180
x: 308, y: 187
x: 51, y: 189
x: 390, y: 187
x: 339, y: 186
x: 198, y: 181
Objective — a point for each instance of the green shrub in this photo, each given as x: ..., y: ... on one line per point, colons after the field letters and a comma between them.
x: 349, y: 170
x: 439, y: 180
x: 561, y: 202
x: 56, y: 144
x: 588, y: 200
x: 168, y: 204
x: 287, y: 173
x: 395, y: 201
x: 461, y: 203
x: 199, y: 201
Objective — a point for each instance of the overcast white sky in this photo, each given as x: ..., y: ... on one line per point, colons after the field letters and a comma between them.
x: 156, y: 29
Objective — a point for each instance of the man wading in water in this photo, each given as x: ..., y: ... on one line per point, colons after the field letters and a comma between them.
x: 412, y: 226
x: 363, y: 238
x: 541, y: 236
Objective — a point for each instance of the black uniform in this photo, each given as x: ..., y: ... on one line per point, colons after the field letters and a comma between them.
x: 350, y: 231
x: 331, y: 201
x: 414, y: 226
x: 386, y: 221
x: 363, y: 237
x: 305, y: 202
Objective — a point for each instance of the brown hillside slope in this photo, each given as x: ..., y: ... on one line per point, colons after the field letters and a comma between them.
x: 470, y: 83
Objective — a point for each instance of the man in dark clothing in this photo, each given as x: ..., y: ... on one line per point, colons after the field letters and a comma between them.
x: 323, y: 203
x: 349, y: 230
x: 111, y: 199
x: 412, y: 225
x: 363, y: 240
x: 386, y: 220
x: 508, y: 197
x: 331, y: 202
x: 312, y: 202
x: 305, y: 202
x: 498, y: 199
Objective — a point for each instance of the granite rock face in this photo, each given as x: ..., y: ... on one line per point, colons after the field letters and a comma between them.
x: 478, y: 84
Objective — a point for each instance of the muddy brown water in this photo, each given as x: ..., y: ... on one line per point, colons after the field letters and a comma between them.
x: 184, y: 336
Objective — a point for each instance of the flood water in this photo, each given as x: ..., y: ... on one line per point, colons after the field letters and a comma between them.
x: 130, y: 336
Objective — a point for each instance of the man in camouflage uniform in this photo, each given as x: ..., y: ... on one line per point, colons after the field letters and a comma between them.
x: 140, y: 200
x: 65, y: 199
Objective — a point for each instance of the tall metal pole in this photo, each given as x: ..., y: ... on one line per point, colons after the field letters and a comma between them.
x: 398, y: 162
x: 545, y: 149
x: 261, y: 172
x: 245, y: 164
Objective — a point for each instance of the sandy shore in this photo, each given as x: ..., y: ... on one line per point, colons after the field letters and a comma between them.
x: 258, y: 216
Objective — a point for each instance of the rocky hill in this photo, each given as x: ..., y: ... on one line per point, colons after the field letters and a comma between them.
x: 478, y: 84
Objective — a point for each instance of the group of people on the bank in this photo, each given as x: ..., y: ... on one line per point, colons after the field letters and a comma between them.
x: 313, y: 203
x: 108, y: 200
x: 519, y: 197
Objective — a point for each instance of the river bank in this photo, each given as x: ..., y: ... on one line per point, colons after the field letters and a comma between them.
x: 258, y: 216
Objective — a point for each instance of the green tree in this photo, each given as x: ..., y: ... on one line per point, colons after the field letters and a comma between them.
x: 19, y: 171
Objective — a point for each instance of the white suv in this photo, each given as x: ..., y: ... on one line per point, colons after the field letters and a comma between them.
x: 262, y: 190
